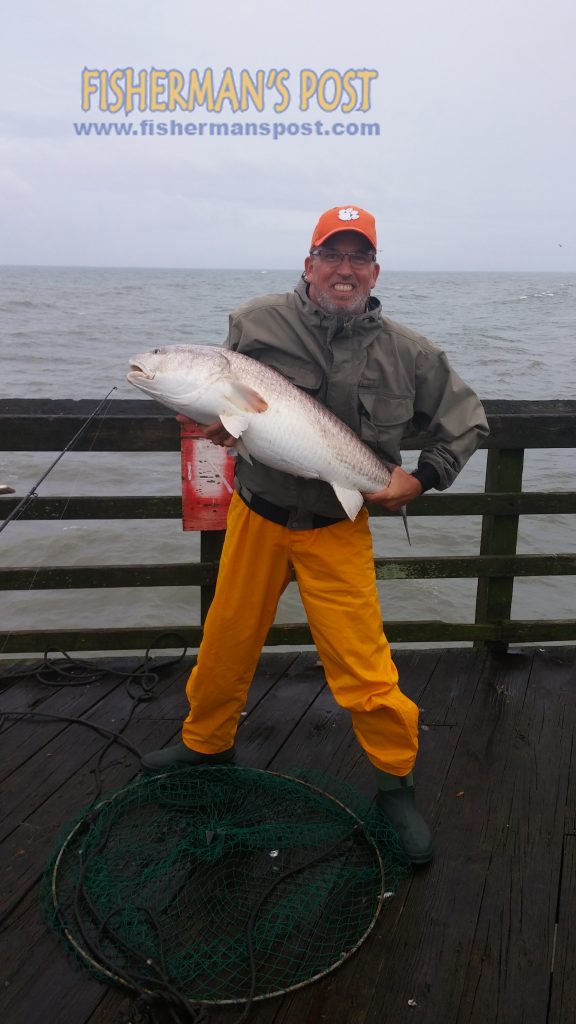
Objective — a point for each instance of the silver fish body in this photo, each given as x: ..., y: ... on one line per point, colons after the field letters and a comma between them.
x: 274, y: 421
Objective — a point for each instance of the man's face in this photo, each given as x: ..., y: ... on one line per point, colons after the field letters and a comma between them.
x: 344, y: 288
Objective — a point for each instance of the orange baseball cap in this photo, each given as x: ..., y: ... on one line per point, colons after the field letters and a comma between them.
x: 344, y: 218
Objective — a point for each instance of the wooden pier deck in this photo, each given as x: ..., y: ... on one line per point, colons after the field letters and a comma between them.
x: 486, y: 935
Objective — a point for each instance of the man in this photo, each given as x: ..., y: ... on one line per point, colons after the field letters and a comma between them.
x: 330, y: 338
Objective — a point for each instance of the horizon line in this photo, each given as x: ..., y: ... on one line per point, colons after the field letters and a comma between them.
x: 267, y: 270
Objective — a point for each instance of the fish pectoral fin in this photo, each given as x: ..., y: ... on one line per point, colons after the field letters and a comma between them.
x: 245, y: 398
x: 241, y: 449
x: 350, y: 500
x: 234, y: 423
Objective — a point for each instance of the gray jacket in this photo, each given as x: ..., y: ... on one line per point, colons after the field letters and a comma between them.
x: 382, y: 379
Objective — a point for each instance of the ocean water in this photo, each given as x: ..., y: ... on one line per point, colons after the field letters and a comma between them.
x: 69, y: 333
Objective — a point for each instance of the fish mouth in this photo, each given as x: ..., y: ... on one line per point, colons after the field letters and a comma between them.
x: 139, y: 370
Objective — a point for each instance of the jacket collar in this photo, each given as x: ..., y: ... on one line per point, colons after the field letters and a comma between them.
x: 335, y: 321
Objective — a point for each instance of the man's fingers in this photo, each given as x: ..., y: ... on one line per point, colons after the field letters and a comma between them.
x: 212, y: 428
x: 218, y: 434
x: 377, y: 496
x: 402, y: 488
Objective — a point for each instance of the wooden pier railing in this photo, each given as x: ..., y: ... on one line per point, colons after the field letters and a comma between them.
x: 138, y: 426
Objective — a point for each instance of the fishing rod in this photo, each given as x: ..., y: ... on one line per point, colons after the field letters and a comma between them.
x: 32, y: 492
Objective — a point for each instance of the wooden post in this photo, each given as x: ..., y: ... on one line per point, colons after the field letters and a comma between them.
x: 499, y: 537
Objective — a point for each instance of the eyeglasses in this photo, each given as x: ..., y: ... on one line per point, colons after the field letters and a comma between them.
x: 334, y: 257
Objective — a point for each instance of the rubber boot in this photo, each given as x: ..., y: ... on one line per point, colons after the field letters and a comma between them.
x: 395, y: 801
x: 181, y: 756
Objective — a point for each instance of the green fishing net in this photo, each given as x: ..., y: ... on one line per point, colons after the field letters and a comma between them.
x: 222, y: 883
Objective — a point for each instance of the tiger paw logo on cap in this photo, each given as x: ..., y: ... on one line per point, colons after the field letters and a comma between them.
x: 344, y: 218
x: 348, y: 213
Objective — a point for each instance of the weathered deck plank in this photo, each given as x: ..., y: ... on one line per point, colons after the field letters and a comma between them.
x: 524, y: 832
x: 469, y: 940
x: 563, y: 987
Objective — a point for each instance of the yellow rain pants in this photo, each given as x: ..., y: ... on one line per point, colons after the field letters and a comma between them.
x: 335, y: 572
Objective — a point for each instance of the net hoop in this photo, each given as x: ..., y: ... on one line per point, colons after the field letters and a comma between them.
x: 92, y: 811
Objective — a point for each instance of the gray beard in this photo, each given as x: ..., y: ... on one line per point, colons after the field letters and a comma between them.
x: 325, y: 301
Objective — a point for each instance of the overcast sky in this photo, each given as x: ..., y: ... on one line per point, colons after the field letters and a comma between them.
x: 474, y: 167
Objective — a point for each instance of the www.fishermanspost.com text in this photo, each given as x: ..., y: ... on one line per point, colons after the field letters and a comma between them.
x: 275, y: 130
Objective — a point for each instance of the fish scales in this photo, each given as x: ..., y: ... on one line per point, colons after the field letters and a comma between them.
x: 305, y: 429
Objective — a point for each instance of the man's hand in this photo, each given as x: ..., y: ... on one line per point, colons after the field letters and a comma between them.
x: 214, y: 432
x: 218, y: 434
x: 403, y: 487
